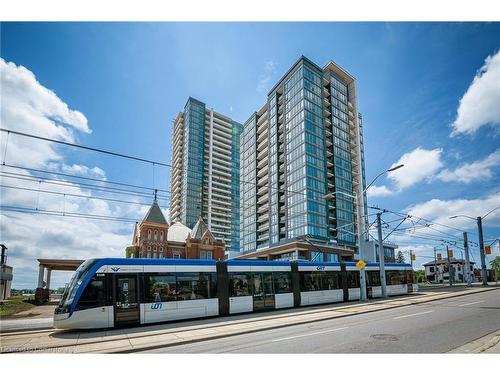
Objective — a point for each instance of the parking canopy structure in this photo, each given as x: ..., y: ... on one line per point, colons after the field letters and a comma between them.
x: 46, y: 266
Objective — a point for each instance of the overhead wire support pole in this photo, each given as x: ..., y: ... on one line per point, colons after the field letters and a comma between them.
x: 467, y: 261
x: 381, y: 256
x: 449, y: 266
x: 484, y: 275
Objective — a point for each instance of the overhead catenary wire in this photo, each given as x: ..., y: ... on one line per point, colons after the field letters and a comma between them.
x: 71, y: 184
x: 152, y: 162
x: 66, y: 214
x: 75, y: 195
x: 85, y: 178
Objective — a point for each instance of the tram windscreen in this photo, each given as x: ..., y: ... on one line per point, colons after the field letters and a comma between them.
x: 74, y: 283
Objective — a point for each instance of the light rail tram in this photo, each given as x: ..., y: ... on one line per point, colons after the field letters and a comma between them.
x: 112, y: 292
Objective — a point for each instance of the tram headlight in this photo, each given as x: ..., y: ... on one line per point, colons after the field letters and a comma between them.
x: 61, y: 310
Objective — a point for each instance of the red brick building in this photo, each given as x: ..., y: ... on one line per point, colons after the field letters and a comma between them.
x: 155, y: 238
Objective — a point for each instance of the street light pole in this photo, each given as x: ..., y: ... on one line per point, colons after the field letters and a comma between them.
x: 467, y: 261
x: 484, y: 275
x: 381, y: 256
x: 435, y: 267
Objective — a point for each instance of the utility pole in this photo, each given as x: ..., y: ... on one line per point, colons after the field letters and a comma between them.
x: 435, y: 266
x: 467, y: 262
x: 381, y: 256
x: 484, y: 276
x: 360, y: 230
x: 449, y: 266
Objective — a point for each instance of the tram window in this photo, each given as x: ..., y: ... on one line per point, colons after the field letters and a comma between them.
x: 396, y: 277
x: 160, y: 287
x: 240, y: 285
x: 94, y: 294
x: 410, y: 277
x: 193, y: 285
x: 206, y: 286
x: 373, y: 278
x: 310, y: 281
x: 353, y: 279
x: 331, y: 280
x: 282, y: 282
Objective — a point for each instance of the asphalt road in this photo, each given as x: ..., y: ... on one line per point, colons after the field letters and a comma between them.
x: 433, y: 327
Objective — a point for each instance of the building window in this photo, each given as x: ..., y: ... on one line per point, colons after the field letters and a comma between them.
x: 156, y: 235
x: 161, y: 235
x: 203, y: 254
x: 176, y: 255
x: 149, y: 254
x: 431, y: 269
x: 149, y: 234
x: 209, y: 255
x: 160, y: 255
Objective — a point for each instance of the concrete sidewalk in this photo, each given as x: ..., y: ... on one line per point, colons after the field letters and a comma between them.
x: 170, y: 334
x: 486, y: 344
x: 38, y: 317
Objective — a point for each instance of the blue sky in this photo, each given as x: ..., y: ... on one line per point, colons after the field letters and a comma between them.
x: 130, y: 80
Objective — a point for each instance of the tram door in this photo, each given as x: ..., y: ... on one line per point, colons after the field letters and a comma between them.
x: 263, y: 296
x: 126, y: 299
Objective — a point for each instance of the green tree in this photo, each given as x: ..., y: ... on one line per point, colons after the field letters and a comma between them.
x: 495, y: 264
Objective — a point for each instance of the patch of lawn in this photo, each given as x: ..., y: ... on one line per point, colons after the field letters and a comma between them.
x: 14, y: 305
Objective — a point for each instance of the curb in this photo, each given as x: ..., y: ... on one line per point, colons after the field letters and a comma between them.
x: 478, y: 346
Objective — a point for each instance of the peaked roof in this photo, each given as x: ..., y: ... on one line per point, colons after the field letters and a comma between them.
x: 199, y: 229
x: 155, y: 215
x: 178, y: 232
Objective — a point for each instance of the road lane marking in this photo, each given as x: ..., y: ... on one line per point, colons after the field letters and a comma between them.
x: 309, y: 334
x: 407, y: 316
x: 470, y: 303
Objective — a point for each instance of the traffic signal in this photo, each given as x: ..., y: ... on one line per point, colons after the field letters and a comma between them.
x: 439, y: 256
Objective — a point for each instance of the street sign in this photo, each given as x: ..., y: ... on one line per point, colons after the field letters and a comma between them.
x: 487, y: 250
x: 450, y: 253
x: 413, y: 257
x: 360, y: 264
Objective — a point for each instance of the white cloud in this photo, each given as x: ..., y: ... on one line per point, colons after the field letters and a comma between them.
x: 265, y: 78
x: 29, y: 107
x: 439, y: 211
x: 480, y: 104
x: 472, y: 172
x: 83, y: 170
x: 419, y: 164
x: 378, y: 191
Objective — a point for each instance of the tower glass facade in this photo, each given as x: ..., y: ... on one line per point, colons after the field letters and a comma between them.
x: 205, y: 179
x: 308, y: 143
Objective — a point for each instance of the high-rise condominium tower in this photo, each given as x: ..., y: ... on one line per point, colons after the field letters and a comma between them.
x: 205, y: 174
x: 305, y: 143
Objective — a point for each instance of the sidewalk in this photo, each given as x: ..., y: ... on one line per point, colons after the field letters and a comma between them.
x: 39, y: 317
x: 176, y: 333
x: 487, y: 344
